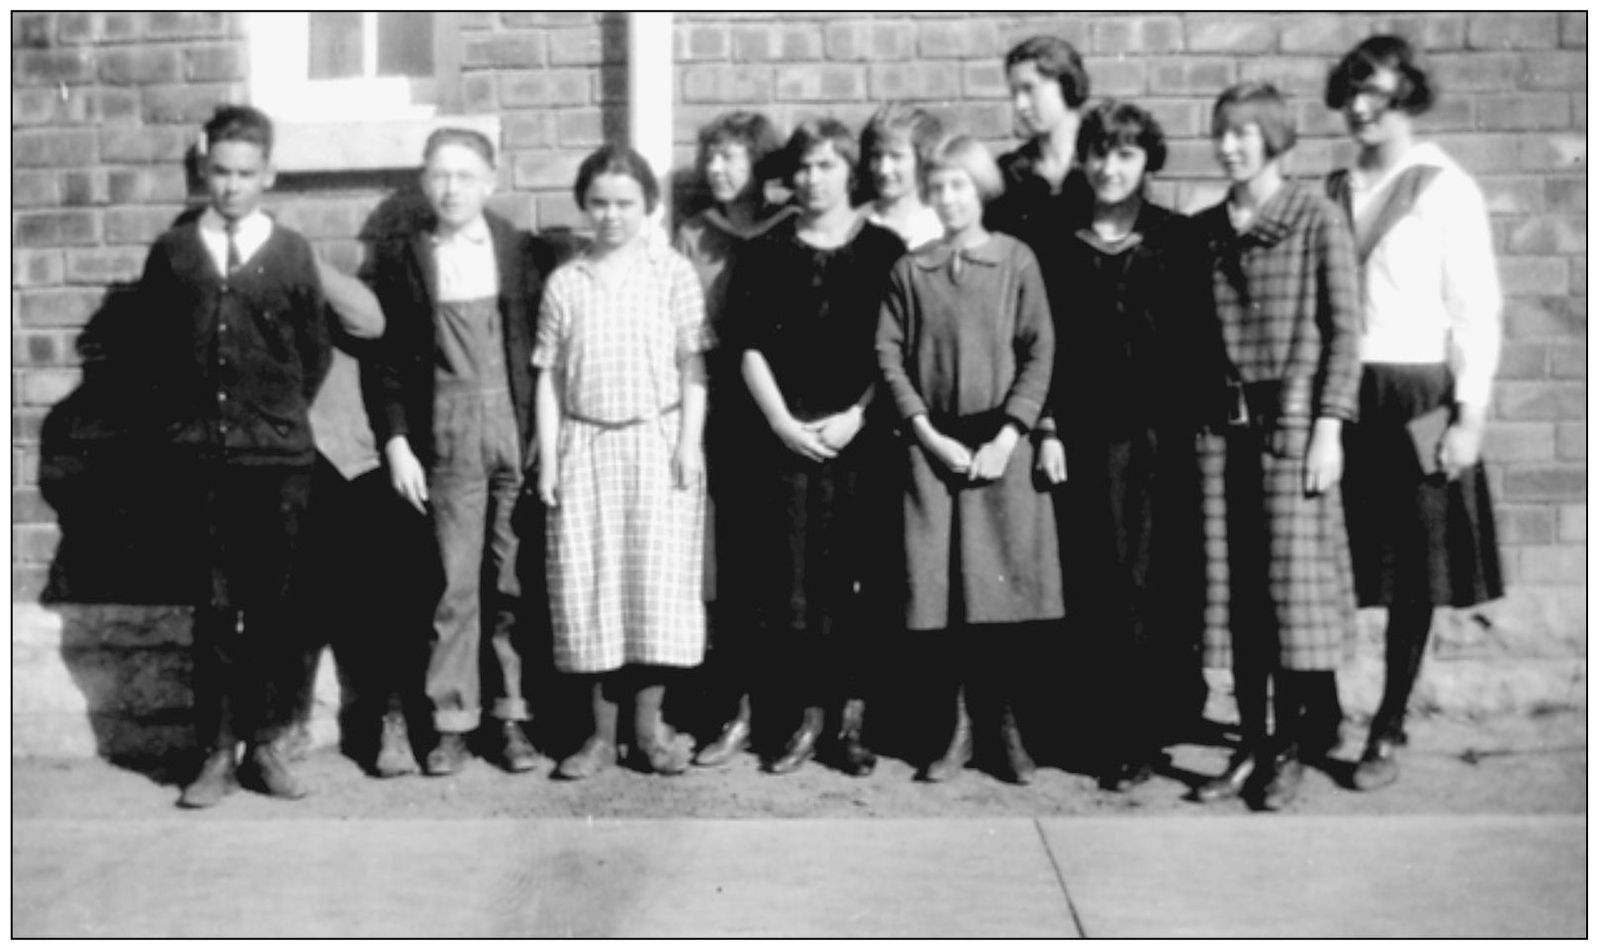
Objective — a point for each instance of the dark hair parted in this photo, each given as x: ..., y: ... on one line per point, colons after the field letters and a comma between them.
x: 1260, y: 103
x: 464, y: 137
x: 239, y: 123
x: 1414, y: 93
x: 1057, y: 60
x: 897, y: 121
x: 813, y: 133
x: 1112, y: 123
x: 620, y: 159
x: 756, y: 133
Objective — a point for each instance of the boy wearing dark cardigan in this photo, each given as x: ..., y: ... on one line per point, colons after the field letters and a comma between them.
x: 236, y: 345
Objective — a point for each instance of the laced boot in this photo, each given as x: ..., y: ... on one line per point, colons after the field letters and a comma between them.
x: 855, y: 758
x: 960, y: 748
x: 394, y: 756
x: 1021, y: 767
x: 265, y: 770
x: 662, y: 749
x: 598, y: 753
x: 801, y: 746
x: 215, y: 779
x: 1286, y: 775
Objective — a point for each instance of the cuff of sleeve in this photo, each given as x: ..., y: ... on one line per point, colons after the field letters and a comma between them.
x: 1024, y: 412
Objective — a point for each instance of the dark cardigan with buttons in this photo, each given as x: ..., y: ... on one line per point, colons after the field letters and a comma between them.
x: 232, y: 364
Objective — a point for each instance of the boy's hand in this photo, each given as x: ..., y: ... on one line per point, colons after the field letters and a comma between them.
x: 409, y: 480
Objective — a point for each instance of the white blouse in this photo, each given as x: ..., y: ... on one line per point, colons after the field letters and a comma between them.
x: 1431, y: 292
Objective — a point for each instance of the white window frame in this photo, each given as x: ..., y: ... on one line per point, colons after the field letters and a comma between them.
x: 280, y: 83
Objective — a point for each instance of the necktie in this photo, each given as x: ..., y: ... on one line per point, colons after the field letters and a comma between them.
x: 233, y: 262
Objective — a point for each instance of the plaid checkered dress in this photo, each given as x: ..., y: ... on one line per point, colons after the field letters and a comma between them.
x: 625, y: 547
x: 1277, y: 565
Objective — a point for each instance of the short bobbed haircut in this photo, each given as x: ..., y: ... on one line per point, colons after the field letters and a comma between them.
x: 813, y: 133
x: 1414, y: 93
x: 964, y: 153
x: 1057, y: 60
x: 897, y: 121
x: 1112, y: 124
x: 756, y: 133
x: 244, y: 123
x: 620, y: 159
x: 468, y: 138
x: 1261, y: 103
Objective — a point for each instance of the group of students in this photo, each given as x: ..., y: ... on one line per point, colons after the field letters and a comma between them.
x: 925, y: 391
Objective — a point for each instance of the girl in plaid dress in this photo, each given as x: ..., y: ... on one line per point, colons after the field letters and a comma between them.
x: 1280, y: 599
x: 620, y: 399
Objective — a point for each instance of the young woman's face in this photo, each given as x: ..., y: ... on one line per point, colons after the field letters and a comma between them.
x: 1039, y: 101
x: 1116, y: 173
x: 457, y: 182
x: 892, y: 166
x: 616, y: 208
x: 820, y: 183
x: 728, y: 170
x: 954, y: 198
x: 1240, y: 150
x: 1371, y: 119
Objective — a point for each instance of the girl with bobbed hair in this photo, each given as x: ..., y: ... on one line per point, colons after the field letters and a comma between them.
x: 1116, y: 440
x: 620, y: 400
x: 1419, y: 511
x: 896, y: 144
x: 734, y: 163
x: 807, y: 295
x: 1280, y: 591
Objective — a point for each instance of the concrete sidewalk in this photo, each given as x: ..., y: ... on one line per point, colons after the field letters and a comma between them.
x: 1247, y: 876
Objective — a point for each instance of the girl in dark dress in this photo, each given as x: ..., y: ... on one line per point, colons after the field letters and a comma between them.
x: 807, y: 296
x: 1120, y: 412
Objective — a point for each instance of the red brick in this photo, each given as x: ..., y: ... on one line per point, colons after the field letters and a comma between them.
x: 122, y: 26
x: 28, y: 506
x: 525, y: 20
x: 875, y: 41
x: 35, y: 543
x: 777, y: 43
x: 514, y: 207
x: 965, y: 39
x: 1572, y: 29
x: 1450, y: 114
x: 36, y: 349
x: 1123, y: 77
x: 31, y: 268
x: 1569, y: 361
x: 1314, y: 157
x: 1476, y: 72
x: 54, y: 148
x: 32, y: 30
x: 1186, y: 75
x: 77, y: 28
x: 1526, y: 111
x: 1515, y: 195
x: 106, y: 106
x: 48, y: 106
x: 35, y: 189
x: 1295, y: 75
x: 1540, y: 401
x: 83, y: 188
x: 1135, y: 34
x: 1533, y: 276
x: 144, y: 145
x: 985, y: 80
x: 59, y: 308
x: 1434, y: 32
x: 1513, y: 30
x: 46, y: 386
x: 507, y: 51
x: 29, y: 581
x: 160, y: 184
x: 1553, y: 565
x: 916, y: 80
x: 1230, y: 33
x: 141, y: 65
x: 820, y: 83
x: 104, y: 265
x: 1548, y: 234
x: 729, y: 84
x: 1560, y: 70
x: 580, y: 127
x: 558, y: 211
x: 1556, y: 317
x: 188, y: 104
x: 1325, y: 34
x: 479, y: 93
x: 1072, y: 28
x: 169, y: 24
x: 1523, y: 361
x: 27, y: 427
x: 138, y: 225
x: 577, y: 47
x: 1526, y: 525
x: 983, y: 120
x: 1180, y: 118
x: 1313, y: 120
x: 217, y: 63
x: 700, y: 43
x: 1513, y: 443
x: 546, y: 169
x: 52, y: 67
x: 1570, y: 437
x: 1190, y: 158
x: 1571, y: 523
x: 1485, y: 154
x: 545, y: 88
x: 55, y: 228
x: 533, y: 129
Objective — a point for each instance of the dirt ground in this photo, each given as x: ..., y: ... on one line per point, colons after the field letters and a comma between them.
x: 1521, y: 765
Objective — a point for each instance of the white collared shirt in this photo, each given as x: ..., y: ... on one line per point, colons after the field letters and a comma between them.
x: 254, y: 229
x: 1431, y: 291
x: 467, y: 268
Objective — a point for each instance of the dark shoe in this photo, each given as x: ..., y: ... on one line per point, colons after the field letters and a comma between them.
x: 734, y: 737
x: 801, y: 747
x: 1231, y: 783
x: 854, y: 757
x: 1378, y: 767
x: 665, y: 751
x: 1119, y: 777
x: 516, y: 752
x: 215, y: 779
x: 447, y: 758
x: 1319, y: 748
x: 1286, y: 775
x: 394, y: 756
x: 1021, y: 767
x: 961, y: 747
x: 596, y: 755
x: 265, y: 771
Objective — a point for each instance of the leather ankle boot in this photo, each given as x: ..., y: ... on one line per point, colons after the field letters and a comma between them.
x: 1229, y: 784
x: 449, y: 756
x: 1378, y: 767
x: 597, y: 754
x: 1286, y: 775
x: 961, y: 747
x: 855, y: 758
x: 734, y: 737
x: 215, y: 779
x: 394, y: 756
x: 1022, y: 769
x: 801, y: 746
x: 515, y: 750
x: 265, y: 770
x: 660, y: 748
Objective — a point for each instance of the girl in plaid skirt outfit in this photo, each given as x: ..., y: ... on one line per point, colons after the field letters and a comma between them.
x: 1280, y: 600
x: 620, y: 398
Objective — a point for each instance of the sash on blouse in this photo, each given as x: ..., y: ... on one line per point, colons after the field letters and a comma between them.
x: 1401, y: 196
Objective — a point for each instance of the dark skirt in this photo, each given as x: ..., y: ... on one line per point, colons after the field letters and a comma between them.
x: 1415, y: 539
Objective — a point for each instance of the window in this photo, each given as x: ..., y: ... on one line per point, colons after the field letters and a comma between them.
x: 340, y: 65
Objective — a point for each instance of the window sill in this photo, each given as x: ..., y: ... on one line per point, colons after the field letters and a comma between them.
x: 375, y: 145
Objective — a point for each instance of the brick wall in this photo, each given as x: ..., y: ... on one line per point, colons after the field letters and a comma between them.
x: 105, y: 104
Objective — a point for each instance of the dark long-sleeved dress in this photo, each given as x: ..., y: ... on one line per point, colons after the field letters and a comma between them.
x: 811, y: 314
x: 966, y: 339
x: 1286, y: 294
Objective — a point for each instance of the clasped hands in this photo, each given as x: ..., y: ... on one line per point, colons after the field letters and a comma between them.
x: 988, y: 462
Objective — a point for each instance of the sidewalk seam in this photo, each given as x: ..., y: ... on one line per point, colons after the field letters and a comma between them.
x: 1059, y: 874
